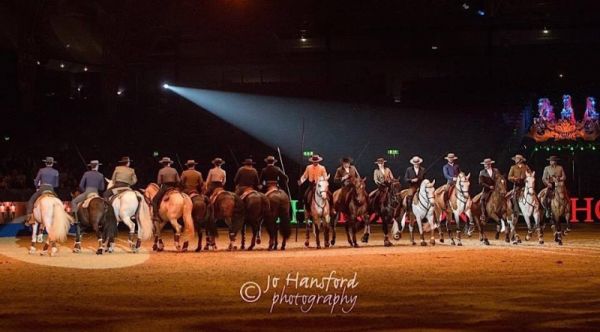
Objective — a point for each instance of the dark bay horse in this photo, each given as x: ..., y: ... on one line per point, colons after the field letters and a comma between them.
x: 387, y: 208
x: 100, y: 217
x: 279, y: 203
x: 353, y: 206
x: 256, y: 207
x: 497, y: 209
x: 560, y: 207
x: 227, y: 206
x: 203, y: 220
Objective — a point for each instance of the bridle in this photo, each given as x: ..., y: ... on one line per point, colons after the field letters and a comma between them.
x: 529, y: 192
x: 318, y: 193
x: 464, y: 195
x: 423, y: 194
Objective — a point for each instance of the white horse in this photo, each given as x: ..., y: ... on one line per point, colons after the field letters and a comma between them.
x: 422, y: 208
x: 530, y: 206
x: 125, y: 206
x: 319, y: 212
x: 50, y: 212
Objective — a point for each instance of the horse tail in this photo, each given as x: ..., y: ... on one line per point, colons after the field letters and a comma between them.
x: 61, y: 221
x: 188, y: 221
x: 266, y: 206
x: 239, y: 210
x: 144, y: 219
x: 284, y: 217
x: 110, y: 229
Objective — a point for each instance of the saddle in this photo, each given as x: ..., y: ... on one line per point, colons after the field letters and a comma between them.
x: 271, y: 189
x: 216, y: 193
x: 169, y: 192
x: 247, y: 192
x: 45, y: 193
x: 88, y: 199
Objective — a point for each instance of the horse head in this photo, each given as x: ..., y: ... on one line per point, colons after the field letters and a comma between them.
x: 463, y: 184
x: 500, y: 185
x: 359, y: 189
x: 428, y: 188
x: 322, y: 186
x: 530, y: 182
x: 561, y: 189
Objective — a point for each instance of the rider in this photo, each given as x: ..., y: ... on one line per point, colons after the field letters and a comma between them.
x: 272, y: 175
x: 517, y: 175
x: 451, y: 171
x: 191, y: 179
x: 216, y: 177
x: 487, y: 180
x: 552, y: 174
x: 344, y: 176
x: 414, y: 175
x: 382, y: 176
x: 312, y: 173
x: 45, y: 181
x: 246, y: 177
x: 123, y: 177
x: 167, y: 178
x: 91, y: 182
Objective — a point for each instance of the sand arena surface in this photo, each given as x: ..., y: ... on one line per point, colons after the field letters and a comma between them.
x: 403, y: 287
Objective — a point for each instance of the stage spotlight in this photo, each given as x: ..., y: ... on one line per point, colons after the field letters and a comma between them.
x: 560, y: 75
x: 302, y: 39
x: 62, y: 65
x: 38, y: 62
x: 166, y: 86
x: 480, y: 13
x: 85, y: 68
x: 545, y: 31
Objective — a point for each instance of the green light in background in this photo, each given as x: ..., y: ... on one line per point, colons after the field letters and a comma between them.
x: 393, y: 152
x: 307, y: 153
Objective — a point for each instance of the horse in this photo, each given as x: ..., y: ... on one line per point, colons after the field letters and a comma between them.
x: 227, y: 206
x: 279, y: 202
x: 530, y: 206
x: 202, y: 219
x: 95, y: 213
x: 560, y: 207
x: 319, y: 212
x: 49, y: 213
x: 422, y: 208
x: 256, y: 207
x: 355, y: 205
x: 131, y: 204
x: 388, y: 210
x: 459, y: 206
x: 174, y: 205
x: 497, y: 210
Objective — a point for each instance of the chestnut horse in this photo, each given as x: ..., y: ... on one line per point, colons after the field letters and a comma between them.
x: 227, y: 206
x: 279, y: 202
x: 203, y: 220
x: 256, y: 207
x: 560, y: 207
x: 497, y: 209
x: 353, y: 206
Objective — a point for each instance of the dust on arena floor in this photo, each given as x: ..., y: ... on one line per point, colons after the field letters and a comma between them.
x: 440, y: 287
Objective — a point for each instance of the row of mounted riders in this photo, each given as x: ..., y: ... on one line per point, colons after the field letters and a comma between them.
x: 395, y: 206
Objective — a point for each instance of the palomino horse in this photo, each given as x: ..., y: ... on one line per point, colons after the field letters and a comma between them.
x: 422, y: 208
x: 256, y: 207
x: 49, y: 212
x: 203, y: 220
x: 530, y: 206
x: 279, y: 202
x: 560, y: 207
x: 497, y: 209
x: 125, y: 205
x: 227, y: 206
x: 95, y: 213
x: 388, y: 209
x: 459, y: 206
x: 174, y: 205
x: 355, y: 205
x: 319, y: 212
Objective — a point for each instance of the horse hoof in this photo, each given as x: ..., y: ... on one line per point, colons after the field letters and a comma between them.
x: 507, y: 240
x: 198, y: 249
x: 560, y: 242
x: 76, y: 250
x: 459, y: 244
x: 414, y: 243
x: 332, y: 243
x: 541, y: 241
x: 243, y: 247
x: 497, y: 236
x: 159, y: 249
x: 155, y: 247
x: 318, y: 246
x: 453, y: 243
x: 99, y: 251
x: 432, y: 242
x: 306, y: 244
x: 423, y: 244
x: 282, y: 248
x: 486, y: 242
x: 515, y: 242
x: 365, y: 238
x: 53, y: 251
x: 40, y: 238
x: 441, y: 240
x: 257, y: 241
x: 250, y: 248
x: 519, y: 241
x: 527, y: 238
x: 326, y: 245
x: 31, y: 250
x: 355, y: 245
x: 186, y: 244
x: 387, y: 244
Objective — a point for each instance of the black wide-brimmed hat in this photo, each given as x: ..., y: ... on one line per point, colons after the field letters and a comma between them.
x: 218, y: 161
x: 315, y: 158
x: 270, y: 160
x: 165, y: 160
x: 94, y: 163
x: 125, y: 160
x: 380, y: 161
x: 49, y: 160
x: 553, y: 158
x: 191, y: 162
x: 347, y: 160
x: 248, y: 161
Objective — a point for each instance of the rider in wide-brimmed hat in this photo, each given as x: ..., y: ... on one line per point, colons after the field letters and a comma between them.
x: 450, y: 171
x: 167, y: 178
x: 122, y: 177
x: 92, y: 182
x: 312, y: 173
x: 487, y: 180
x: 272, y: 175
x: 517, y: 175
x: 216, y: 176
x: 45, y: 181
x: 344, y: 176
x: 191, y: 179
x: 382, y: 176
x: 552, y: 173
x: 246, y: 177
x: 414, y: 175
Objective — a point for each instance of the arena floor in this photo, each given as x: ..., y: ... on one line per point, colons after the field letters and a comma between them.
x: 443, y: 287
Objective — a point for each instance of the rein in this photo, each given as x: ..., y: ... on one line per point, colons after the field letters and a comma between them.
x: 423, y: 194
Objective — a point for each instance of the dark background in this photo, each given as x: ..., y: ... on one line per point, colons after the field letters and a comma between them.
x: 433, y: 77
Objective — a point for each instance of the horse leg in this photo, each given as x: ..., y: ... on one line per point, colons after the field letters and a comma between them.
x: 347, y: 229
x: 199, y: 228
x: 539, y: 225
x: 254, y: 236
x: 354, y: 230
x: 385, y: 225
x: 317, y: 231
x: 243, y: 246
x: 177, y: 234
x: 421, y: 232
x: 131, y: 236
x: 326, y: 230
x: 232, y: 234
x: 307, y: 222
x: 34, y: 230
x: 366, y: 231
x: 77, y: 245
x: 557, y: 232
x: 334, y: 222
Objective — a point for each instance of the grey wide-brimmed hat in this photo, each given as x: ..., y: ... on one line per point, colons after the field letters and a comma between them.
x: 270, y: 160
x: 416, y: 160
x: 553, y: 158
x: 487, y: 161
x: 248, y: 161
x: 94, y: 163
x: 380, y: 161
x: 165, y: 160
x: 49, y: 160
x: 315, y: 158
x: 191, y: 162
x: 518, y: 158
x: 125, y: 160
x: 218, y: 161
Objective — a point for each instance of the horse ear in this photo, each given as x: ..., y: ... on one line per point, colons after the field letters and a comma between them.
x: 327, y: 177
x: 364, y: 179
x: 433, y: 182
x: 533, y: 173
x: 468, y: 176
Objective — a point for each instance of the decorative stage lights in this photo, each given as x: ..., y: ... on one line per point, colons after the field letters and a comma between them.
x: 62, y: 65
x: 545, y: 31
x: 85, y: 68
x: 465, y: 6
x: 481, y: 12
